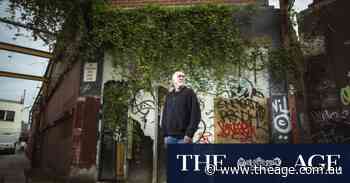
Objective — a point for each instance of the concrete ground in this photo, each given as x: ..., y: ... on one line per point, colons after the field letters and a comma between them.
x: 12, y: 167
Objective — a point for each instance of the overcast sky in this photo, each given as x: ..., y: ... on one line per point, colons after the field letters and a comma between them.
x: 13, y: 89
x: 298, y: 4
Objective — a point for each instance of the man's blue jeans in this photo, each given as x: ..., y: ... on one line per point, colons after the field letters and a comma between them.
x: 173, y: 140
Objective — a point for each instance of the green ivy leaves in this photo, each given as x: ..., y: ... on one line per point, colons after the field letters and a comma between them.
x: 155, y: 41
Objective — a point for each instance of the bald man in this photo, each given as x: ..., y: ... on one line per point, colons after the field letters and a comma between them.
x: 181, y: 113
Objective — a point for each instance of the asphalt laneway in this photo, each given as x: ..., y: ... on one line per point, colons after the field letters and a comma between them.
x: 12, y: 167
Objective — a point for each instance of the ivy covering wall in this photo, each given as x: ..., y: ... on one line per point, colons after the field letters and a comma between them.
x: 152, y: 42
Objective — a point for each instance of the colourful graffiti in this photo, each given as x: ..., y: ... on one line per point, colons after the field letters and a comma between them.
x: 241, y: 130
x: 240, y: 110
x: 345, y: 95
x: 240, y: 121
x: 248, y: 106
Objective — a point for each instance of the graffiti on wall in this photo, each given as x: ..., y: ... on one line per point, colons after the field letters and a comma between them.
x: 328, y: 109
x: 239, y: 130
x: 327, y: 116
x: 205, y: 138
x: 330, y: 126
x: 240, y: 121
x: 241, y: 88
x: 281, y: 125
x: 330, y: 134
x: 143, y: 108
x: 243, y: 114
x: 250, y: 113
x: 204, y: 134
x: 345, y: 95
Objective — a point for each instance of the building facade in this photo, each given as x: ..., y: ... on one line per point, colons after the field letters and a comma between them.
x: 325, y: 39
x: 69, y: 135
x: 11, y: 118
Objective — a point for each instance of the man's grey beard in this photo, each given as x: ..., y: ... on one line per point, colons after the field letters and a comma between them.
x: 173, y: 88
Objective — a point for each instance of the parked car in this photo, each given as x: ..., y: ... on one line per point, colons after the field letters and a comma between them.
x: 9, y: 141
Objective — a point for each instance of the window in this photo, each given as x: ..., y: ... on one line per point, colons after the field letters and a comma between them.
x: 2, y: 115
x: 10, y: 116
x: 7, y: 115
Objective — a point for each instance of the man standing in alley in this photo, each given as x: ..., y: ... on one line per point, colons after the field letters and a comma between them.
x: 181, y: 113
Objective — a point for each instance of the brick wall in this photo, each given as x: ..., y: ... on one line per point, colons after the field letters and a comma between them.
x: 176, y: 2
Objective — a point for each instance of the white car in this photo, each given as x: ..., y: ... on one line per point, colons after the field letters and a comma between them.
x: 11, y: 147
x: 8, y: 142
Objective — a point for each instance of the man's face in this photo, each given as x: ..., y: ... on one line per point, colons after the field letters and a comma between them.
x: 179, y: 79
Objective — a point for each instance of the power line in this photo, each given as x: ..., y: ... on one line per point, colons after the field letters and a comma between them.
x: 18, y: 24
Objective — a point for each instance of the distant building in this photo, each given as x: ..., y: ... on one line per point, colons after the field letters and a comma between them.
x: 11, y: 115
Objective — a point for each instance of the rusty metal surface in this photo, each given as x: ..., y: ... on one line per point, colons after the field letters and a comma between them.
x: 24, y: 50
x: 65, y: 95
x: 89, y: 136
x: 21, y: 76
x: 85, y: 132
x: 57, y: 148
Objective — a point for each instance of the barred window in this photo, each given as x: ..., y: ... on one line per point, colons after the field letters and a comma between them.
x: 2, y: 115
x: 10, y: 116
x: 7, y: 115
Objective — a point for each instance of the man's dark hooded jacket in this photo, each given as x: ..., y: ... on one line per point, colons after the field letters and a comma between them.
x: 181, y: 113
